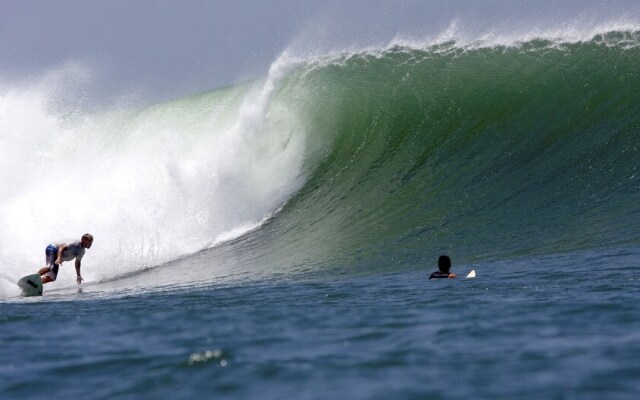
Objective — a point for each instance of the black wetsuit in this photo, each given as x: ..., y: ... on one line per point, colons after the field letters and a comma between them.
x: 439, y: 274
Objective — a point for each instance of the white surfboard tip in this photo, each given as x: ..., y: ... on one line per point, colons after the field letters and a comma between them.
x: 471, y: 274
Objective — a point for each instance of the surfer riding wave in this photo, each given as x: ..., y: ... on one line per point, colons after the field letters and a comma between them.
x: 57, y: 253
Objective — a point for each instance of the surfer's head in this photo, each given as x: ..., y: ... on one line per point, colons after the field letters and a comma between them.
x: 444, y: 263
x: 87, y: 240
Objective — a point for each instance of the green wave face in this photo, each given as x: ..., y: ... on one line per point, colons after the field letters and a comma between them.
x: 479, y: 152
x: 373, y: 160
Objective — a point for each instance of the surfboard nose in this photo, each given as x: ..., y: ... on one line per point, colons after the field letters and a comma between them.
x: 31, y: 285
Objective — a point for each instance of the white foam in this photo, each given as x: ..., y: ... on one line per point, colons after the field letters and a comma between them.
x: 150, y: 185
x: 464, y: 35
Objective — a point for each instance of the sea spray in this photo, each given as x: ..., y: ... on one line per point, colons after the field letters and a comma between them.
x: 150, y: 184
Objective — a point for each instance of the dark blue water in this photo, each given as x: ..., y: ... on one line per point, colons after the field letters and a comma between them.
x: 551, y: 327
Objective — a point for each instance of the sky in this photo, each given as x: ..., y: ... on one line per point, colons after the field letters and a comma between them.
x: 167, y: 49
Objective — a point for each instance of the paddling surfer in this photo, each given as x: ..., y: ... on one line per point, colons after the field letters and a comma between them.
x: 57, y: 253
x: 444, y: 264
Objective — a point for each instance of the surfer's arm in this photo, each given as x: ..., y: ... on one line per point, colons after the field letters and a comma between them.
x: 60, y: 250
x: 452, y: 275
x: 79, y: 277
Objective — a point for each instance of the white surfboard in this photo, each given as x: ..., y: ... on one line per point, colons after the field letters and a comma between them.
x: 471, y: 274
x: 31, y: 285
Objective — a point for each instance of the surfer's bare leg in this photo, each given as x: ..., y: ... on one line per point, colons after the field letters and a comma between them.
x: 44, y: 275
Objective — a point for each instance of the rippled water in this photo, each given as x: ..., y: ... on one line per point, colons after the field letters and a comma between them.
x: 563, y: 327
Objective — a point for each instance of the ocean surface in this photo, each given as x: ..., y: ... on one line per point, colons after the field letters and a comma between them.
x: 273, y: 239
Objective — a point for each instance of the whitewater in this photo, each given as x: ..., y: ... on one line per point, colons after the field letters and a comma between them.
x: 273, y: 238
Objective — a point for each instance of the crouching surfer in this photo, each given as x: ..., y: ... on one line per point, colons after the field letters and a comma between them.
x: 444, y: 264
x: 57, y: 253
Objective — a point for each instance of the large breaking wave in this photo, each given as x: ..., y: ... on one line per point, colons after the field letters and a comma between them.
x: 374, y: 159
